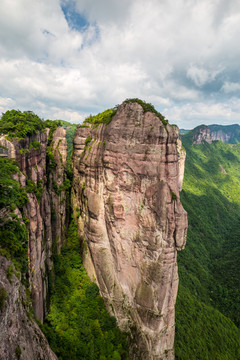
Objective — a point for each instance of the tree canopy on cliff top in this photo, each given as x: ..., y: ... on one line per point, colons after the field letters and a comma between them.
x: 106, y: 116
x: 18, y: 124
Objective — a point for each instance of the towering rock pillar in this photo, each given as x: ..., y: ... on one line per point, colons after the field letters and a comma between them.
x: 126, y: 200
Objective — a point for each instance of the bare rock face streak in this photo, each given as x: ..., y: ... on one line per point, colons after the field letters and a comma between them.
x: 46, y: 213
x: 126, y: 199
x: 20, y: 336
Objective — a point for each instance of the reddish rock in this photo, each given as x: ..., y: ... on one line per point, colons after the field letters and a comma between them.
x: 126, y: 199
x: 20, y: 336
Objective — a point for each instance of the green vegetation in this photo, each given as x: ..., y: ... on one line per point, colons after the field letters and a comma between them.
x: 78, y: 325
x: 35, y: 145
x: 3, y: 297
x: 233, y: 132
x: 70, y: 131
x: 9, y: 188
x: 147, y: 107
x: 174, y: 196
x: 65, y: 186
x: 103, y: 118
x: 33, y: 188
x: 52, y: 125
x: 13, y: 235
x: 208, y: 305
x: 88, y: 140
x: 202, y: 332
x: 18, y: 352
x: 19, y: 124
x: 209, y: 266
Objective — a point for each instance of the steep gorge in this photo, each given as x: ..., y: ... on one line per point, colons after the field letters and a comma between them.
x: 131, y: 222
x: 127, y: 174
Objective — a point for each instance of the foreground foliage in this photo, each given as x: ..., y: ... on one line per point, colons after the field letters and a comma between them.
x: 209, y: 268
x: 13, y: 234
x: 18, y: 124
x: 78, y: 325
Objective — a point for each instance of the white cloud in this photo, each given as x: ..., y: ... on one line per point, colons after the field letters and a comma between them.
x: 230, y: 87
x: 201, y: 76
x: 192, y: 114
x: 166, y: 52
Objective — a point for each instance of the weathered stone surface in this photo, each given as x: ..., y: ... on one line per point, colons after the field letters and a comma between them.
x: 20, y: 336
x: 202, y: 133
x: 126, y: 199
x: 7, y: 149
x: 221, y: 135
x: 46, y: 214
x: 57, y: 178
x: 181, y: 163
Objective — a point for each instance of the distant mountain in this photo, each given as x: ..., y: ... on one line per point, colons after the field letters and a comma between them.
x: 183, y: 131
x: 227, y: 133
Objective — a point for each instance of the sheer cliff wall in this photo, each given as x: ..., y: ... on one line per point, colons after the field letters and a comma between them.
x: 46, y: 211
x: 125, y: 198
x: 42, y: 163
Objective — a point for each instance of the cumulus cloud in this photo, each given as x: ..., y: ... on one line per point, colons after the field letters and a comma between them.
x: 201, y: 76
x: 191, y: 114
x: 70, y: 58
x: 231, y: 87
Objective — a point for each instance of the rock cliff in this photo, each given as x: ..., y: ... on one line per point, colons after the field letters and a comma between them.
x: 126, y: 201
x: 20, y: 336
x: 202, y: 133
x: 42, y: 163
x: 226, y: 133
x: 42, y: 173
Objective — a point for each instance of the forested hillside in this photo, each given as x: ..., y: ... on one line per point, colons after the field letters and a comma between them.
x: 208, y: 305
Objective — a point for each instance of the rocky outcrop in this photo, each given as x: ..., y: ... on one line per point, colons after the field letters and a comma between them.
x: 58, y: 186
x: 226, y: 133
x: 181, y: 163
x: 220, y: 135
x: 20, y: 336
x: 202, y: 134
x: 43, y: 175
x: 126, y: 201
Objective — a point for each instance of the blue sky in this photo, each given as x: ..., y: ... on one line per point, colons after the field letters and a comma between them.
x: 66, y: 59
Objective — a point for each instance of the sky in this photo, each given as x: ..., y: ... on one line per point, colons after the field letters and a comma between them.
x: 66, y: 59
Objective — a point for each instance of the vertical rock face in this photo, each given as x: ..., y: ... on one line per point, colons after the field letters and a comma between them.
x: 202, y: 133
x: 20, y: 336
x: 126, y: 199
x: 220, y: 135
x: 181, y: 163
x: 45, y: 210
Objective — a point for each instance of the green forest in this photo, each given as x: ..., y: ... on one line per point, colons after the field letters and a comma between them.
x: 78, y: 325
x: 208, y: 303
